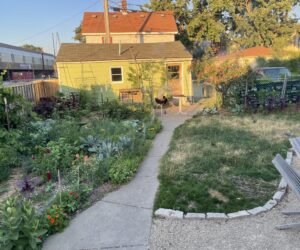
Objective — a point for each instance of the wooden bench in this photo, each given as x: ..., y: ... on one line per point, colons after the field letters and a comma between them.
x: 296, y: 145
x: 293, y: 180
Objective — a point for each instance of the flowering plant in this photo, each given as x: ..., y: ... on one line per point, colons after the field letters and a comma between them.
x: 69, y: 201
x: 57, y: 219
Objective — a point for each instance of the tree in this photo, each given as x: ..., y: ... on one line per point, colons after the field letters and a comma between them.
x: 141, y: 75
x: 159, y: 5
x: 242, y: 23
x: 222, y: 74
x: 181, y: 13
x: 78, y: 35
x: 32, y: 47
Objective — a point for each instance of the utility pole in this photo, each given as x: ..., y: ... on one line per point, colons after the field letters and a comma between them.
x: 106, y: 21
x: 54, y: 50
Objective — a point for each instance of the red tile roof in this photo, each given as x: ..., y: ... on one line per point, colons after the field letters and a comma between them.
x: 258, y: 51
x: 159, y: 21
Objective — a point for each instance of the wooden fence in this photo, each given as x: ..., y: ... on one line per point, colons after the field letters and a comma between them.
x: 35, y: 90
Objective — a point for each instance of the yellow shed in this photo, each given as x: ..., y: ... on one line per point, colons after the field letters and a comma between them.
x: 114, y: 66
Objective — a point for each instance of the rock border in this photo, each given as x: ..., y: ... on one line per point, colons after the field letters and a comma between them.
x: 277, y: 197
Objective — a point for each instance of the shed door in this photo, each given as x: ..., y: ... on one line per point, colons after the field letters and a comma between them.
x: 174, y: 78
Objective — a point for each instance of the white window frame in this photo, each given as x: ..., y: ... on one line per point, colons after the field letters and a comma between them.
x: 111, y: 75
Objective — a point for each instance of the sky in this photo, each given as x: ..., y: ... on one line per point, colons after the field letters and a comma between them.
x: 34, y: 21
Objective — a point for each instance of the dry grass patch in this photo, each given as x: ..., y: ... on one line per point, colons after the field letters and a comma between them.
x: 223, y: 163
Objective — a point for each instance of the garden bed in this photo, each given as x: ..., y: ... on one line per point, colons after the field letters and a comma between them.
x: 53, y: 168
x: 222, y: 163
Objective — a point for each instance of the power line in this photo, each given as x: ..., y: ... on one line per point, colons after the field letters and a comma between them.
x: 58, y: 24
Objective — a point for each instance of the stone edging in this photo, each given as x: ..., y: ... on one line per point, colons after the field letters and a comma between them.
x: 277, y: 197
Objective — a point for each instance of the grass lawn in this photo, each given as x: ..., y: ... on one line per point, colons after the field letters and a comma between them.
x: 223, y: 163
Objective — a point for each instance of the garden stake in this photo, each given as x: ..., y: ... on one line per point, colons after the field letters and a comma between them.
x: 59, y: 187
x: 6, y: 112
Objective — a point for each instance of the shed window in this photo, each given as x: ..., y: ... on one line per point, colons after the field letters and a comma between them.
x: 173, y: 72
x: 116, y: 74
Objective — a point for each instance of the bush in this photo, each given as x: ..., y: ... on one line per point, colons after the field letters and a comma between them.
x: 153, y: 128
x: 88, y: 170
x: 20, y: 227
x: 58, y: 155
x: 19, y: 110
x: 124, y: 169
x: 68, y: 200
x: 122, y: 111
x: 57, y: 219
x: 10, y: 152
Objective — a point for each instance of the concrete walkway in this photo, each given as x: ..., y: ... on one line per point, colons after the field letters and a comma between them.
x: 122, y: 219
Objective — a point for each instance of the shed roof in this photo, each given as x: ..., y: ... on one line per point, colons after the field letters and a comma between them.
x: 107, y: 52
x: 159, y: 21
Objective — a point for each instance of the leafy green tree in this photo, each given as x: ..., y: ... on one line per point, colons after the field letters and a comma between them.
x: 232, y: 23
x: 141, y: 75
x: 78, y: 35
x: 181, y: 13
x: 160, y: 5
x: 242, y: 23
x: 32, y: 47
x: 222, y: 74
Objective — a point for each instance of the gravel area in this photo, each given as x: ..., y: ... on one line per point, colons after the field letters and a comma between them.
x: 255, y: 232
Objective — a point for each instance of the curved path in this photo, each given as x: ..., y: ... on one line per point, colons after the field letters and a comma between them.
x: 123, y: 218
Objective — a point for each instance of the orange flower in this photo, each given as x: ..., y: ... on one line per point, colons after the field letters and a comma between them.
x: 49, y: 217
x: 52, y: 221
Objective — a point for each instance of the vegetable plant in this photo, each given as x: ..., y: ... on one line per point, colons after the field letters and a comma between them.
x: 20, y: 227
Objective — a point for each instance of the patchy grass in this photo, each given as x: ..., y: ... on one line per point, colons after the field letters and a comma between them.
x: 223, y: 163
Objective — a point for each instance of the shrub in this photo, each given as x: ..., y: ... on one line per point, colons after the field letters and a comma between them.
x: 20, y: 227
x: 10, y: 149
x: 57, y: 219
x: 58, y: 155
x: 124, y: 169
x: 87, y: 170
x: 68, y: 200
x: 122, y: 111
x: 153, y: 128
x: 19, y: 110
x: 39, y: 132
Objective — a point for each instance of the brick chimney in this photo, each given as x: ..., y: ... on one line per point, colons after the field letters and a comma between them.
x: 124, y: 7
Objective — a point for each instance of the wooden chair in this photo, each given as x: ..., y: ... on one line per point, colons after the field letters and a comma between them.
x: 293, y: 180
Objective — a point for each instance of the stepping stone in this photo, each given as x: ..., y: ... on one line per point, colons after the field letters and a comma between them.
x: 257, y: 210
x: 238, y: 214
x: 270, y: 204
x: 195, y: 216
x: 282, y: 184
x: 168, y: 213
x: 216, y: 216
x: 278, y: 195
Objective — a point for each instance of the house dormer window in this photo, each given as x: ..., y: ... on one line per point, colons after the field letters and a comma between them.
x: 116, y: 74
